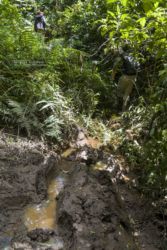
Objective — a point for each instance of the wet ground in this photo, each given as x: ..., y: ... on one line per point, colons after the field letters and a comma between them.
x: 78, y: 201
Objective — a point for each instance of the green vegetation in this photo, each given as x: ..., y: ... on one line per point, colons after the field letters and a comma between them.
x: 49, y: 84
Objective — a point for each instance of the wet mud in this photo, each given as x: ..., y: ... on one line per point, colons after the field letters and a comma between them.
x: 72, y: 202
x: 89, y: 214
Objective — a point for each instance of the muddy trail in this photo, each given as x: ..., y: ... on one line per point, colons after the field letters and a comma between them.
x: 79, y: 200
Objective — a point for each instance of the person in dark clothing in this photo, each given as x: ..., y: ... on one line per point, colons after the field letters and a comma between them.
x: 126, y: 66
x: 40, y: 22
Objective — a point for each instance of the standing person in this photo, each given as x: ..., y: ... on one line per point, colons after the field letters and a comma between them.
x: 126, y: 66
x: 40, y: 22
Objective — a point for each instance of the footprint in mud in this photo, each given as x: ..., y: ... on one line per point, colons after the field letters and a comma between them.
x: 43, y: 215
x: 40, y: 219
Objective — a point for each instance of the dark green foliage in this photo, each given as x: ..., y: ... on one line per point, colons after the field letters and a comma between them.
x: 43, y: 84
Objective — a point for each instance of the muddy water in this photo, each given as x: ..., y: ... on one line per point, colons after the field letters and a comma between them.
x: 44, y: 215
x: 68, y: 152
x: 100, y: 166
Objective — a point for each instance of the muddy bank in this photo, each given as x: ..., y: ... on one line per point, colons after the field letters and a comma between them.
x: 23, y: 172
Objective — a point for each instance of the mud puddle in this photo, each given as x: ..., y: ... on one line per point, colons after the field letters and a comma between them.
x: 44, y: 214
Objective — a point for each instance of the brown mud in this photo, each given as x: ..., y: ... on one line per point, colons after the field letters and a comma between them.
x: 80, y: 202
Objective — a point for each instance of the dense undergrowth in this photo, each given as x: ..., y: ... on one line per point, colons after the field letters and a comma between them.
x: 49, y: 84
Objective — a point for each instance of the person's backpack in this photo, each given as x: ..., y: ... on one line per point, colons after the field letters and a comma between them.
x: 39, y: 23
x: 130, y: 65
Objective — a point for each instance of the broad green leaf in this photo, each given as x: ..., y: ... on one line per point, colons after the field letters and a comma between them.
x: 118, y: 10
x: 110, y: 13
x: 156, y: 4
x: 147, y: 5
x: 111, y: 1
x: 124, y: 16
x: 124, y: 2
x: 142, y: 21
